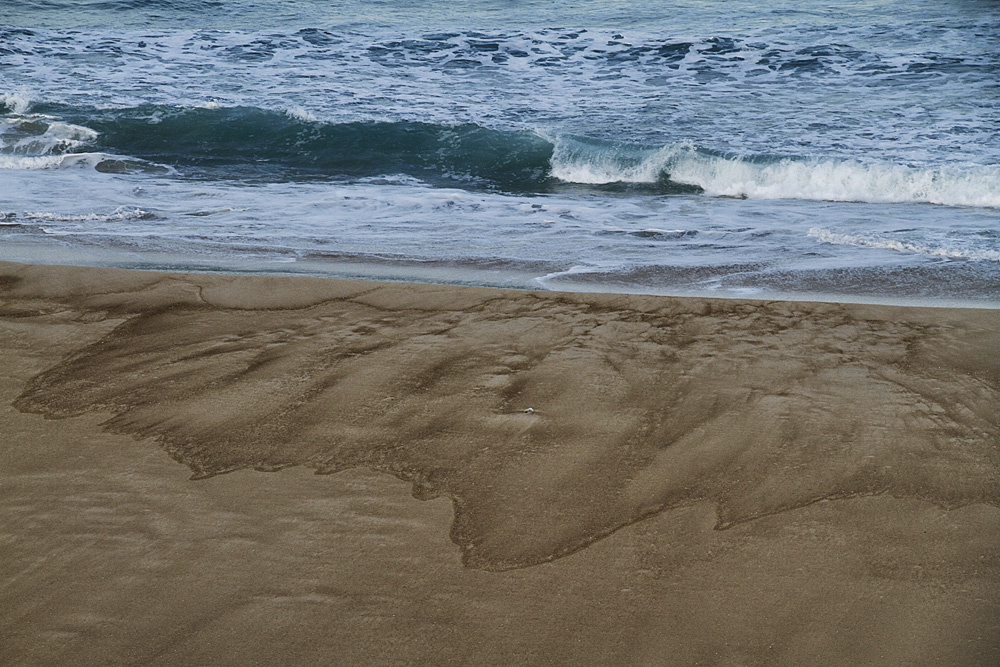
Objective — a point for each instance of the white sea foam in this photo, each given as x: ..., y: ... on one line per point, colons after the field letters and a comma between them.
x: 68, y: 161
x: 836, y: 180
x: 820, y: 180
x: 543, y: 281
x: 577, y: 160
x: 18, y: 103
x: 39, y: 135
x: 298, y: 112
x: 884, y: 243
x: 37, y: 142
x: 120, y: 214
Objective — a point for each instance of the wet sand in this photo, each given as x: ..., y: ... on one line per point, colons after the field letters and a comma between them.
x: 572, y: 478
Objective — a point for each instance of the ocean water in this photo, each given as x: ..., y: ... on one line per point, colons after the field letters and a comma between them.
x: 831, y: 150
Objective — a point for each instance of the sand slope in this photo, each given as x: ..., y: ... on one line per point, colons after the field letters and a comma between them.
x: 723, y: 424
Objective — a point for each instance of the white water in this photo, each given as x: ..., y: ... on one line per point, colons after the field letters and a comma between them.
x: 785, y: 178
x: 886, y: 243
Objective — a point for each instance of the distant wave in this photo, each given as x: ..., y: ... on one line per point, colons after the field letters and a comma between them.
x: 252, y: 143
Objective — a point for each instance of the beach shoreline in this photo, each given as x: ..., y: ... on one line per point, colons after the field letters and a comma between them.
x: 409, y: 270
x: 716, y: 480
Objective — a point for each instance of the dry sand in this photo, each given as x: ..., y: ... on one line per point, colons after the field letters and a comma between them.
x: 697, y: 482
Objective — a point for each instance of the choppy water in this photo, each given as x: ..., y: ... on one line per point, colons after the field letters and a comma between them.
x: 846, y: 150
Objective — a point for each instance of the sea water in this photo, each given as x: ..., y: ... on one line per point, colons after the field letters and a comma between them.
x: 802, y: 149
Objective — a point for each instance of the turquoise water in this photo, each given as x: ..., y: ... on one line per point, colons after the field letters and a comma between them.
x: 807, y: 150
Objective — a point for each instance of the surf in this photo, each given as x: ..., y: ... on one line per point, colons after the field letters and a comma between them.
x: 684, y: 165
x: 266, y: 145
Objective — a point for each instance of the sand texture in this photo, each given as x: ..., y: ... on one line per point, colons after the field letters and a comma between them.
x: 626, y: 479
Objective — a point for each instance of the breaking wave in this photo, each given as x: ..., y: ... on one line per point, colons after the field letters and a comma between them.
x: 253, y: 143
x: 763, y: 177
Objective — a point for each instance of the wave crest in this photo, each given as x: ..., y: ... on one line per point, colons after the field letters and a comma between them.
x: 242, y: 142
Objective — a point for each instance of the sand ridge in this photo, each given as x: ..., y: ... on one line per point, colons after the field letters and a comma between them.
x: 638, y: 404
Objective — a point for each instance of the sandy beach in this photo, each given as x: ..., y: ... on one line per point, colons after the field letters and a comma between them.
x: 505, y: 477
